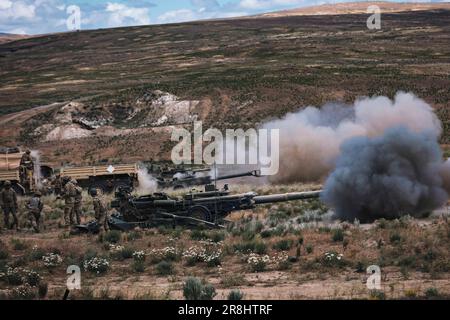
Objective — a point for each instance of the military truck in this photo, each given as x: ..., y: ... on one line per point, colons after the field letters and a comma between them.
x: 23, y: 181
x: 105, y: 177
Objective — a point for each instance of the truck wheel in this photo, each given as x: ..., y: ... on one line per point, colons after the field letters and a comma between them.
x: 200, y: 212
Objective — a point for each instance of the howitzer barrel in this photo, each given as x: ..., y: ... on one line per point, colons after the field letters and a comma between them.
x: 248, y: 195
x: 254, y: 173
x: 287, y: 197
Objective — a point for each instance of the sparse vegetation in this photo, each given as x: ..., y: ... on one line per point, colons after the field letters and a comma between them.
x: 235, y: 295
x: 165, y: 268
x: 18, y: 244
x: 112, y: 236
x: 283, y: 245
x: 195, y: 289
x: 338, y: 235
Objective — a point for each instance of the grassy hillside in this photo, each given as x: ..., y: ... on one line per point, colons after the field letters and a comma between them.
x: 247, y: 69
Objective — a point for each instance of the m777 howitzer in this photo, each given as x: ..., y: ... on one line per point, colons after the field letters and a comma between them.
x: 195, y: 208
x: 196, y: 179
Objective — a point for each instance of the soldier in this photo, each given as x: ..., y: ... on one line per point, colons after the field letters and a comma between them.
x: 8, y: 201
x: 26, y: 169
x: 101, y: 211
x: 35, y: 207
x: 57, y: 185
x: 78, y: 201
x: 68, y: 194
x: 27, y: 160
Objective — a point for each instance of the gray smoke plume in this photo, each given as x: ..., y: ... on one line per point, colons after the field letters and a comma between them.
x: 310, y: 139
x: 397, y: 173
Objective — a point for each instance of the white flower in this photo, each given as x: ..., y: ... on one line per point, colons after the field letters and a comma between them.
x: 52, y: 260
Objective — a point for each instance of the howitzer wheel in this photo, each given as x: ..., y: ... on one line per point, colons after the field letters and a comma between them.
x: 201, y: 212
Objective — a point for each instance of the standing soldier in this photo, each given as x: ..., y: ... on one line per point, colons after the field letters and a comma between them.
x: 57, y: 185
x: 8, y: 201
x: 35, y: 207
x: 26, y: 169
x: 101, y: 212
x: 78, y: 201
x: 27, y: 160
x: 68, y: 194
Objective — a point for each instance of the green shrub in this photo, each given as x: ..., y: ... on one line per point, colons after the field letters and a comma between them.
x: 266, y: 234
x: 283, y: 245
x: 395, y: 237
x: 18, y: 244
x: 217, y: 236
x: 284, y: 265
x: 360, y: 267
x: 134, y: 235
x: 255, y: 246
x: 13, y: 276
x: 24, y: 292
x: 197, y: 234
x: 232, y: 280
x: 89, y: 254
x: 382, y: 223
x: 165, y: 268
x: 4, y: 254
x: 138, y: 266
x: 333, y: 259
x: 33, y: 278
x: 36, y: 254
x: 123, y: 254
x: 377, y: 295
x: 309, y: 249
x: 338, y: 235
x: 113, y: 236
x: 410, y: 293
x: 42, y: 290
x: 235, y: 295
x: 324, y: 229
x: 431, y: 293
x: 194, y: 289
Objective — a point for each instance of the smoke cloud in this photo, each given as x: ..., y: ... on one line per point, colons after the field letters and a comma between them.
x: 147, y: 183
x: 36, y: 156
x: 381, y: 158
x: 310, y: 139
x: 388, y: 176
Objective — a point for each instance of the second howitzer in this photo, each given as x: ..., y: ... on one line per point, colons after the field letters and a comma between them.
x: 197, y: 178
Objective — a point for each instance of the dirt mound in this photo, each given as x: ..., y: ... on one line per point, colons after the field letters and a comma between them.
x: 80, y: 120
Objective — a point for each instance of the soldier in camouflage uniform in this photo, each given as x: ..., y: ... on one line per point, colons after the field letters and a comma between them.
x: 35, y: 207
x: 26, y: 169
x: 57, y: 185
x: 78, y: 201
x: 8, y: 202
x: 26, y: 159
x: 101, y: 211
x: 68, y: 195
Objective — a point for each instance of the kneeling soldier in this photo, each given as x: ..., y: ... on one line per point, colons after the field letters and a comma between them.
x: 35, y: 207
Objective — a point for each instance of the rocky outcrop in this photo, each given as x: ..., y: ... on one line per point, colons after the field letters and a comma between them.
x: 79, y: 120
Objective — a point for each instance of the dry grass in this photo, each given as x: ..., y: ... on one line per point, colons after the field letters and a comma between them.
x: 414, y: 256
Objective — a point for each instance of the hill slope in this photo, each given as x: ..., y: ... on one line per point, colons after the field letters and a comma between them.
x: 359, y: 8
x: 232, y: 73
x: 7, y: 37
